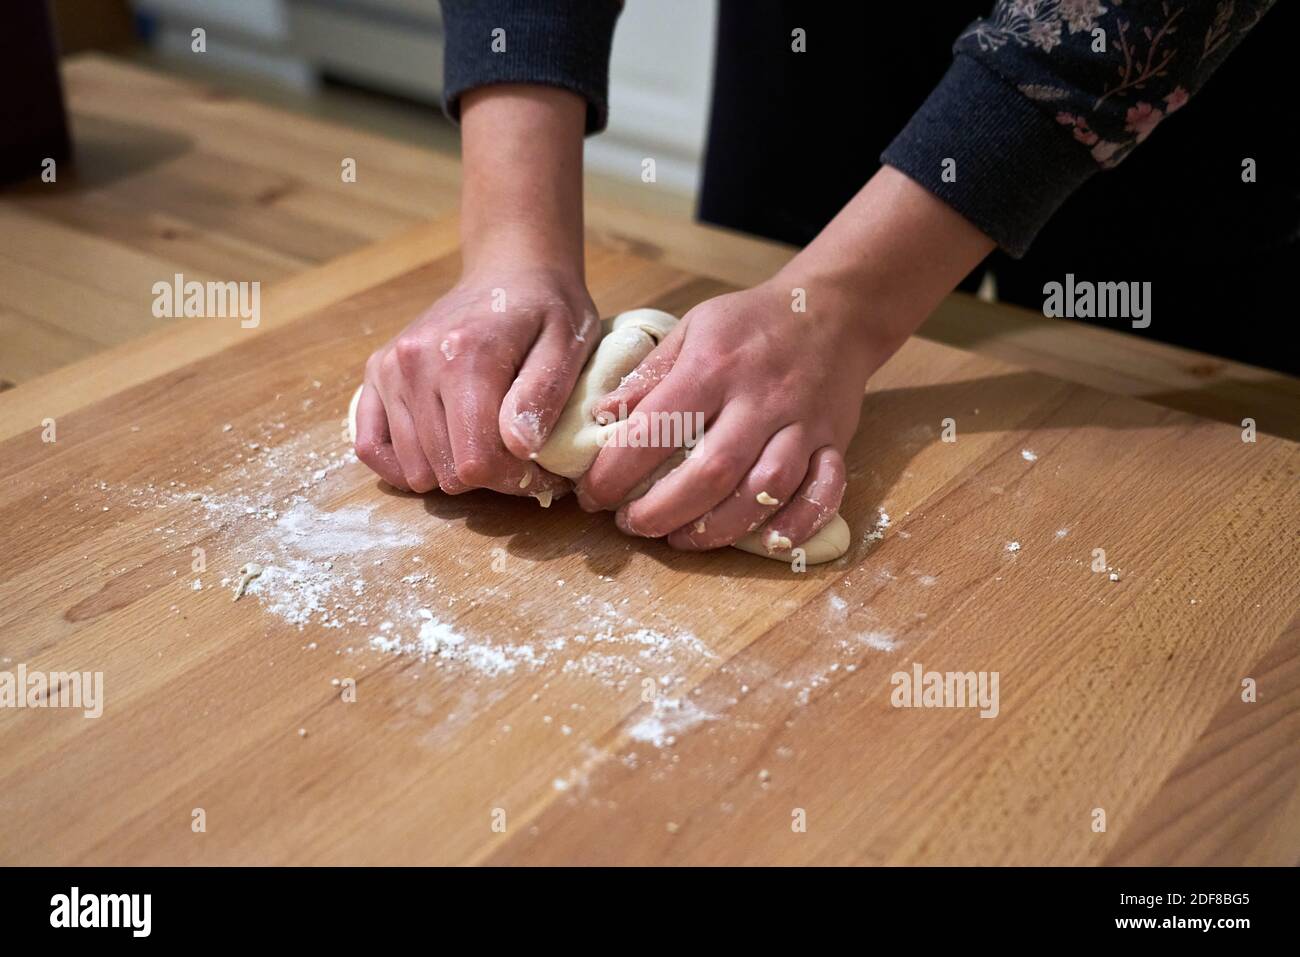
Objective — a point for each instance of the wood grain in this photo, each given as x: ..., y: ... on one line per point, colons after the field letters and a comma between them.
x: 173, y: 177
x: 773, y: 687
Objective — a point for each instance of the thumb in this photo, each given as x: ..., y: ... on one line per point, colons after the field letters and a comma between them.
x: 641, y: 381
x: 533, y: 403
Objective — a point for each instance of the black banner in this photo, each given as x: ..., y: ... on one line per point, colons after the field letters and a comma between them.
x: 1147, y: 905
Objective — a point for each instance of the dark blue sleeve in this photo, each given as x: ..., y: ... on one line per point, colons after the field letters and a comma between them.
x: 562, y: 43
x: 1044, y: 93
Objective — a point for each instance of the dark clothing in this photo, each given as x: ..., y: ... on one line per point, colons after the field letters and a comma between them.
x: 33, y: 121
x: 1032, y: 118
x: 562, y: 43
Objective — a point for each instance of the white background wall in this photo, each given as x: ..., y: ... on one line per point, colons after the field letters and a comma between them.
x: 661, y: 79
x: 660, y: 75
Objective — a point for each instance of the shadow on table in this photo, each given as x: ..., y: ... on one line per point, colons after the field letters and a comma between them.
x: 104, y: 152
x: 896, y: 424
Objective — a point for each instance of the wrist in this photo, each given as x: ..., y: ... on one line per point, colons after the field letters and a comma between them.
x: 888, y: 258
x: 871, y: 312
x: 521, y: 191
x: 513, y: 248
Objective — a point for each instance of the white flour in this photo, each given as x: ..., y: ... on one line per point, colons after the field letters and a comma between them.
x: 380, y: 587
x: 305, y: 530
x: 878, y: 640
x: 668, y: 718
x: 877, y: 533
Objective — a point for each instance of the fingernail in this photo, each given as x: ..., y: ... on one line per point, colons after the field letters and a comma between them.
x: 527, y: 429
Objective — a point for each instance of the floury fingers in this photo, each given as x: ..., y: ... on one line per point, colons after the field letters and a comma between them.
x: 55, y: 689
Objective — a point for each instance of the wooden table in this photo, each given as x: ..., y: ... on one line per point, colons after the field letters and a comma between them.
x: 591, y: 698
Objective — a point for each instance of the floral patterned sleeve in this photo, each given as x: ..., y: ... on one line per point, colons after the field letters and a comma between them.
x: 1044, y: 93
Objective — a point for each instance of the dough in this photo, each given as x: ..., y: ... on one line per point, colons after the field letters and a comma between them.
x: 578, y: 437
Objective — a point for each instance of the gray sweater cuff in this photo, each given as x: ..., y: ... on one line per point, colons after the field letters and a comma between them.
x: 563, y: 43
x: 1014, y: 164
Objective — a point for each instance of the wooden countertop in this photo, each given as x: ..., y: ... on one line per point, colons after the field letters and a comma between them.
x: 529, y: 732
x: 500, y: 653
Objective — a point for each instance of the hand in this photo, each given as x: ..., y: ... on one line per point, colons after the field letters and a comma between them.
x: 464, y: 394
x: 781, y: 392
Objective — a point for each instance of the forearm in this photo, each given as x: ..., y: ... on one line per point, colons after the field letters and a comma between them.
x: 889, y: 256
x: 521, y: 195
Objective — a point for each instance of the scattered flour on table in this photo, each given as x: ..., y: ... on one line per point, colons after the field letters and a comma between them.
x: 315, y: 562
x: 878, y: 532
x: 668, y: 718
x: 381, y: 585
x: 306, y: 530
x: 878, y: 640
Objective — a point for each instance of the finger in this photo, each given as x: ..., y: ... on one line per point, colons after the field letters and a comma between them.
x: 431, y: 432
x: 420, y: 475
x: 768, y: 486
x: 708, y: 476
x: 815, y: 504
x: 374, y: 444
x: 414, y: 379
x: 393, y: 368
x: 642, y: 380
x: 472, y: 391
x: 542, y: 387
x: 669, y: 416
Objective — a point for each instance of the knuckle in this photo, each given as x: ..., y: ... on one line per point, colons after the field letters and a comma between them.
x: 456, y: 342
x: 539, y: 390
x: 833, y: 470
x: 409, y: 350
x: 716, y: 470
x: 773, y: 479
x: 829, y: 479
x: 387, y: 366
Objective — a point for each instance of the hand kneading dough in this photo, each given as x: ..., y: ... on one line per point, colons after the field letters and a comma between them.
x: 578, y: 438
